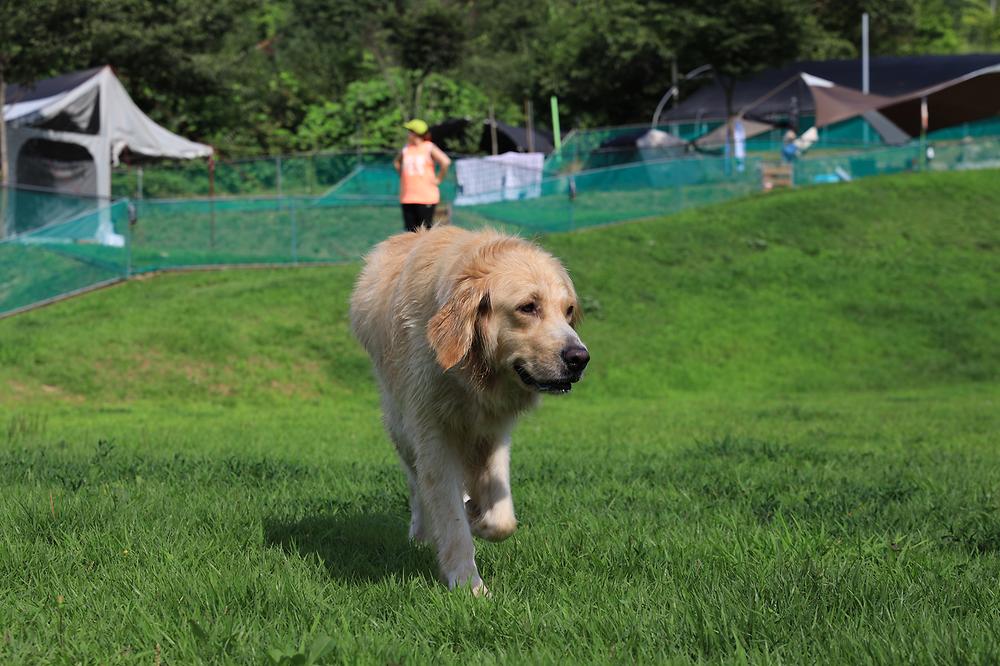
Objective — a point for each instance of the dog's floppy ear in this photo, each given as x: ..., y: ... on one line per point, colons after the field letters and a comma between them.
x: 452, y: 329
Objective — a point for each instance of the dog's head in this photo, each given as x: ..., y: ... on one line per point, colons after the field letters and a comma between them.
x: 509, y: 315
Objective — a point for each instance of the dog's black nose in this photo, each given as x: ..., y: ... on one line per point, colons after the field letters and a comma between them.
x: 576, y: 358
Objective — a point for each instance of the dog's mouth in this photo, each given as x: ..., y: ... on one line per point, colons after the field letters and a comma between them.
x: 561, y: 385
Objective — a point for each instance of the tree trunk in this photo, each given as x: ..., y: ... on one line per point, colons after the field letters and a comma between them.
x: 418, y: 90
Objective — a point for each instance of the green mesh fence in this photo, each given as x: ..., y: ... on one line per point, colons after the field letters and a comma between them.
x: 64, y: 257
x: 581, y: 150
x: 108, y: 242
x: 275, y: 230
x: 317, y: 174
x: 282, y: 175
x: 26, y: 208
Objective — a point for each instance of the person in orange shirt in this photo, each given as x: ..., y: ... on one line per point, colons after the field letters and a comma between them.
x: 418, y: 178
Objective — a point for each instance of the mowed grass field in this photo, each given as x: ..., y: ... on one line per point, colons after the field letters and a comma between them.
x: 785, y: 451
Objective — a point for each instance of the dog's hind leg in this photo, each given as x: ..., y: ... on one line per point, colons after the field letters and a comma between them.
x: 418, y: 529
x: 407, y: 460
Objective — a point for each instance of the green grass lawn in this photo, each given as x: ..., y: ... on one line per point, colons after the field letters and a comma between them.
x: 785, y: 450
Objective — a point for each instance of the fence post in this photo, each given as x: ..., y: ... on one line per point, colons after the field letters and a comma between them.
x: 133, y: 219
x: 295, y: 232
x: 312, y: 172
x: 277, y: 172
x: 211, y: 204
x: 572, y: 202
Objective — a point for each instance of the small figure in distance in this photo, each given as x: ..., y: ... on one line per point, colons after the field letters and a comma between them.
x: 419, y: 178
x: 789, y: 151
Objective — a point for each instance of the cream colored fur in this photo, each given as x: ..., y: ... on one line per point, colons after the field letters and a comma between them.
x: 464, y: 330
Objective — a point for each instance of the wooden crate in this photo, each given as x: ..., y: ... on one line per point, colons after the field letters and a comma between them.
x: 776, y: 175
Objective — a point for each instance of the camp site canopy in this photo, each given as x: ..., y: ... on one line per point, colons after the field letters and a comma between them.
x: 891, y: 76
x: 65, y: 133
x: 968, y: 98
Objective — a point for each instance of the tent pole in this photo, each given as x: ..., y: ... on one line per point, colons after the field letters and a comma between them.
x: 770, y: 93
x: 924, y: 124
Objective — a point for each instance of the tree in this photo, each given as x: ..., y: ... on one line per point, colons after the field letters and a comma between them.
x: 981, y: 25
x: 181, y: 60
x: 425, y: 38
x: 366, y: 117
x: 745, y: 38
x: 609, y: 62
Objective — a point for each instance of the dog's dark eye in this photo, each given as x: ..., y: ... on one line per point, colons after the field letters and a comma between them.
x: 528, y: 308
x: 569, y: 311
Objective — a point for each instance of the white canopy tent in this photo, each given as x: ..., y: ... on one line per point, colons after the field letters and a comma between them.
x: 65, y: 133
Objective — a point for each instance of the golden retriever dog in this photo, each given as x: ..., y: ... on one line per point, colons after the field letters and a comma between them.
x: 465, y: 330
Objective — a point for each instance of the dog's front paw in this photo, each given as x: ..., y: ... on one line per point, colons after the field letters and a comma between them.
x: 467, y: 576
x: 489, y: 525
x: 493, y: 530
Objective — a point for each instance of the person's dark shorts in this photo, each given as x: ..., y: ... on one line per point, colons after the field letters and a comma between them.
x: 418, y: 215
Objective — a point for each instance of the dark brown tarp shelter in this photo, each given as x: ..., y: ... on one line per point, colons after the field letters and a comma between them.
x: 451, y: 134
x: 835, y: 103
x: 718, y: 137
x: 891, y: 76
x: 966, y: 99
x: 831, y: 104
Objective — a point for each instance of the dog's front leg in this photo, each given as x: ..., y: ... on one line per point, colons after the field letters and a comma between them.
x: 440, y: 476
x: 491, y: 506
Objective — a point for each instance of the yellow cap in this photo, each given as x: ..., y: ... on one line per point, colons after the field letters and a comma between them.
x: 417, y: 126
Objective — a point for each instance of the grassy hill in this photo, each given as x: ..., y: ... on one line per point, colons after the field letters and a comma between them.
x: 784, y: 449
x: 883, y: 283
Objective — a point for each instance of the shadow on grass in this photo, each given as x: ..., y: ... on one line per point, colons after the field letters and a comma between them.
x: 357, y: 547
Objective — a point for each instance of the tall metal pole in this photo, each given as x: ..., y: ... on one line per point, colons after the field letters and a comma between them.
x: 864, y: 69
x: 864, y: 53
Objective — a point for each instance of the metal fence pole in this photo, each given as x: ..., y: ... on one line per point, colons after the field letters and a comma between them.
x: 133, y: 219
x: 277, y: 172
x: 295, y: 232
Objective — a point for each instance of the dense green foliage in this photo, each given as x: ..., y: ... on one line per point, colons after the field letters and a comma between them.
x: 784, y: 451
x: 282, y: 75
